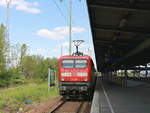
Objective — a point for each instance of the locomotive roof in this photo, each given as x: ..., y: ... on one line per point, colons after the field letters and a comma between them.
x: 75, y: 57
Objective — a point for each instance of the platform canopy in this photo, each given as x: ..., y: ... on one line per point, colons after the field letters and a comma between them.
x: 121, y: 32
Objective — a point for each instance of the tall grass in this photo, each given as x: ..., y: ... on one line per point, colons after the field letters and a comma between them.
x: 14, y: 97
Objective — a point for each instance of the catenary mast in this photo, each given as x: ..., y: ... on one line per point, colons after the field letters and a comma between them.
x: 7, y: 33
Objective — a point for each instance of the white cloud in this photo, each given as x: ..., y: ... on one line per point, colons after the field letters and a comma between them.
x: 41, y: 50
x: 23, y: 5
x: 49, y: 34
x: 65, y: 44
x: 59, y: 33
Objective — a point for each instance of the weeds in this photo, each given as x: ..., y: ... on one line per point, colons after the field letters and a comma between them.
x: 12, y: 98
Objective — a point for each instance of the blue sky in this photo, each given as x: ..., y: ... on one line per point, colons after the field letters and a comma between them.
x: 40, y: 25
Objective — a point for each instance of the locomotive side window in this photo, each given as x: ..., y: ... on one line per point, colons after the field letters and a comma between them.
x: 68, y: 63
x: 81, y: 63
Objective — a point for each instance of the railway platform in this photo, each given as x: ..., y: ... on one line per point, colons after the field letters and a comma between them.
x: 112, y: 98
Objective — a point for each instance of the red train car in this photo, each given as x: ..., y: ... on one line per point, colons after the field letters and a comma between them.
x: 76, y: 76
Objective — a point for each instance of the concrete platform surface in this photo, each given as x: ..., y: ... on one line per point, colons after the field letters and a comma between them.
x: 112, y: 98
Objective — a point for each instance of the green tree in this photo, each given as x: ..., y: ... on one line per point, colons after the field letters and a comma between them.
x: 53, y: 63
x: 24, y: 50
x: 2, y: 48
x: 37, y: 66
x: 14, y: 55
x: 28, y: 66
x: 23, y: 54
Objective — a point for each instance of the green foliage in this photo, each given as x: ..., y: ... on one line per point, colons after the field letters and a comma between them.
x: 37, y: 66
x: 11, y: 76
x: 24, y: 50
x: 22, y: 66
x: 32, y: 67
x: 5, y: 78
x: 27, y: 72
x: 14, y: 97
x: 2, y: 48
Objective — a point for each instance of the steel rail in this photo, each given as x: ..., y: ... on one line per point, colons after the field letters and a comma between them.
x: 57, y: 107
x: 79, y: 108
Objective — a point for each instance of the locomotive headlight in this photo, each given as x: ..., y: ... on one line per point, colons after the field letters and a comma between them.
x: 85, y: 79
x: 62, y: 79
x: 82, y: 74
x: 66, y: 74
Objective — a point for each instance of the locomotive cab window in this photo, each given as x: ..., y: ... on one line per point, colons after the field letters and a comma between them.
x: 68, y: 63
x: 81, y: 63
x: 74, y: 63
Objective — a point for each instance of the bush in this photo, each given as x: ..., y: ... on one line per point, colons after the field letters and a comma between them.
x: 39, y: 81
x: 18, y: 81
x: 5, y: 78
x: 10, y: 77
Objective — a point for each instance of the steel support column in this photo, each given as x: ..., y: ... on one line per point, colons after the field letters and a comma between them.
x: 126, y: 76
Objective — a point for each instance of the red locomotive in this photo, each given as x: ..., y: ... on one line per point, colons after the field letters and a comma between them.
x: 76, y: 76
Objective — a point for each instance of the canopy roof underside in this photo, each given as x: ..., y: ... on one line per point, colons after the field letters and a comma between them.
x: 121, y: 32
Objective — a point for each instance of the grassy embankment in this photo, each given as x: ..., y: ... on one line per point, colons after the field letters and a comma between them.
x: 12, y: 98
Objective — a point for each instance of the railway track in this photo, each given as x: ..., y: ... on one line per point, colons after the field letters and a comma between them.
x: 54, y: 109
x: 60, y: 106
x: 68, y: 107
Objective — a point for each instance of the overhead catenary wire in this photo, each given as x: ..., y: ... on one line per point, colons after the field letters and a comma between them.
x: 70, y: 25
x: 70, y: 20
x: 65, y: 5
x: 60, y: 11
